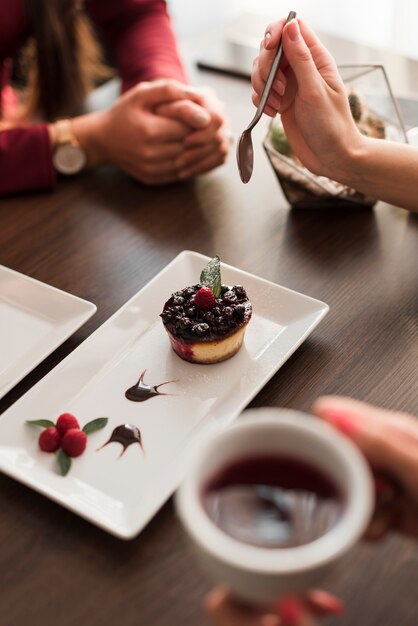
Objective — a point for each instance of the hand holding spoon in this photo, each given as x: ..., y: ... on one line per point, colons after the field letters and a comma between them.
x: 245, y: 153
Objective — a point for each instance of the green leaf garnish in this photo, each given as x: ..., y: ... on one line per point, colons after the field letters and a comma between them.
x: 211, y: 276
x: 42, y: 423
x: 96, y: 424
x: 64, y: 462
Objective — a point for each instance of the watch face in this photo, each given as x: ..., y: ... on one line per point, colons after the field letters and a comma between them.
x: 69, y: 159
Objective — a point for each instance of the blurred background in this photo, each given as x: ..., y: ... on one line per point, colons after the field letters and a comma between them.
x: 390, y: 24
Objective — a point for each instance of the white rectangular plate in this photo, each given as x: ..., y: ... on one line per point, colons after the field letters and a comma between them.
x: 121, y: 493
x: 35, y: 318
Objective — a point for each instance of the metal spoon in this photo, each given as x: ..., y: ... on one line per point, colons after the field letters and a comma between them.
x: 245, y: 153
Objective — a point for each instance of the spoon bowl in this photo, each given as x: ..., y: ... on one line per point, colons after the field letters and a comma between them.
x: 245, y: 152
x: 245, y: 155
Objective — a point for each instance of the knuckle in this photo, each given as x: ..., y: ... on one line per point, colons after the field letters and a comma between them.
x: 217, y: 119
x: 170, y: 88
x: 221, y: 136
x: 304, y: 54
x: 150, y: 131
x: 256, y: 80
x: 147, y: 168
x: 148, y: 154
x: 264, y: 69
x: 147, y: 133
x: 281, y: 76
x: 224, y: 152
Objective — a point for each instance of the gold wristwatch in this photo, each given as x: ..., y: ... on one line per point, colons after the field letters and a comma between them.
x: 69, y: 157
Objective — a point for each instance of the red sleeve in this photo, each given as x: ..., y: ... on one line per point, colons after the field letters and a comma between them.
x: 25, y: 160
x: 142, y: 38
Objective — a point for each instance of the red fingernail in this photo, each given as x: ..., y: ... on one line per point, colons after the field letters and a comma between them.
x: 323, y: 603
x: 342, y: 421
x: 290, y: 610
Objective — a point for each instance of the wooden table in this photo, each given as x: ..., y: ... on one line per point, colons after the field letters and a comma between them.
x: 103, y: 237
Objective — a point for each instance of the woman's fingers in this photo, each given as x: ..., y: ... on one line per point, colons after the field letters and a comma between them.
x: 293, y: 612
x: 389, y: 440
x: 323, y: 59
x: 300, y: 58
x: 321, y: 603
x: 158, y: 153
x: 268, y: 110
x: 272, y: 35
x: 186, y: 111
x: 205, y: 165
x: 288, y: 611
x: 224, y: 611
x: 202, y: 136
x: 260, y: 74
x: 195, y: 155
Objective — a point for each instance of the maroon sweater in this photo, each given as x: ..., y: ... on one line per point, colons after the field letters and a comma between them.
x: 139, y: 32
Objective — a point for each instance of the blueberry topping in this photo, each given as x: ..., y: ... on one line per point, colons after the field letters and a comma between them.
x: 188, y: 292
x: 229, y: 296
x: 166, y: 316
x: 200, y: 329
x: 240, y: 291
x: 184, y: 323
x: 209, y: 317
x: 186, y: 320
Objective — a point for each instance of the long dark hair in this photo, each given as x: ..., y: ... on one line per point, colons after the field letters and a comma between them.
x: 63, y: 60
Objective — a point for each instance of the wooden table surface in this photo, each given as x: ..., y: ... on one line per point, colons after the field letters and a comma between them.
x: 102, y: 237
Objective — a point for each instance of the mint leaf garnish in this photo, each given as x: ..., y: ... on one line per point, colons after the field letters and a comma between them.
x: 211, y: 276
x: 96, y: 424
x: 64, y: 462
x: 42, y: 423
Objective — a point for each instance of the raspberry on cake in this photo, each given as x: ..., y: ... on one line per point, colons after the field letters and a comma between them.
x: 206, y: 322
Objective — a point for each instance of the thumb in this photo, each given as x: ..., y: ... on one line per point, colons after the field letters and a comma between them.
x: 186, y: 111
x: 389, y: 440
x: 152, y: 93
x: 299, y: 57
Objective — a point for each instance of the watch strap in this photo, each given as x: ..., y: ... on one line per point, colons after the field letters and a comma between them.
x: 64, y: 134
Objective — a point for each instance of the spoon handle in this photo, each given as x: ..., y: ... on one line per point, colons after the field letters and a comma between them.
x: 272, y: 75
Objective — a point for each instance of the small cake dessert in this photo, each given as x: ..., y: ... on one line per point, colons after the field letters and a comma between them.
x: 206, y: 322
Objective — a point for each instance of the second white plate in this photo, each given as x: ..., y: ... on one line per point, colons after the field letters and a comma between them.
x: 121, y: 493
x: 35, y: 318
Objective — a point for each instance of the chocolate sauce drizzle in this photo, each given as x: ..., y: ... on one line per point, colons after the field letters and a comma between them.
x: 141, y: 391
x: 125, y: 434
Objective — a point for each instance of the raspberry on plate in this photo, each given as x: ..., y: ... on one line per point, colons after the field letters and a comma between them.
x: 65, y: 422
x: 49, y: 439
x: 74, y: 442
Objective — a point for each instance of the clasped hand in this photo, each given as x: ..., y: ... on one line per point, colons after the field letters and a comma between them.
x: 162, y: 131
